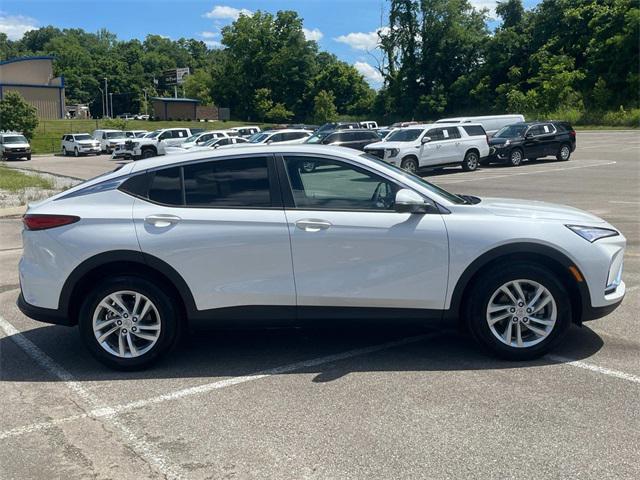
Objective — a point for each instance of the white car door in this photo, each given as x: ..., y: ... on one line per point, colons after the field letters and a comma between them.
x: 351, y: 248
x: 220, y: 224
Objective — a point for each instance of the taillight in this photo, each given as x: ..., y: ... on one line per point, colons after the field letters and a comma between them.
x: 43, y: 222
x: 572, y: 133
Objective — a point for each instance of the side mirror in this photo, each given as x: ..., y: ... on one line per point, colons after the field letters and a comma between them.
x: 425, y: 139
x: 269, y: 142
x: 408, y: 201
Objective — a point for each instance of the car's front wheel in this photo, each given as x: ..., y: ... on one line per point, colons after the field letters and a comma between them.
x: 515, y: 157
x: 519, y: 311
x: 127, y: 322
x: 410, y: 165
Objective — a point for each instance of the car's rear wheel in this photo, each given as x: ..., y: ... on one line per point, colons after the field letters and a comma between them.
x: 564, y: 153
x: 127, y: 322
x: 515, y: 157
x: 470, y: 162
x: 518, y: 311
x: 410, y: 165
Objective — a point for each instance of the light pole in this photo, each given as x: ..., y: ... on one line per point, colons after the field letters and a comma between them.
x: 102, y: 98
x: 111, y: 103
x: 106, y: 99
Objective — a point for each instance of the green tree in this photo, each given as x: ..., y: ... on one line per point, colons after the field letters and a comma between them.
x: 262, y: 103
x: 17, y: 115
x: 198, y: 85
x: 279, y: 113
x: 324, y: 109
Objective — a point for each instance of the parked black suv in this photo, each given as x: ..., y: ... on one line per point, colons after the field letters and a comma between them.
x: 531, y: 140
x: 356, y: 138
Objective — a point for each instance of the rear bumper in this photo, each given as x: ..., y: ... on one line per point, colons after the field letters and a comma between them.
x: 46, y: 315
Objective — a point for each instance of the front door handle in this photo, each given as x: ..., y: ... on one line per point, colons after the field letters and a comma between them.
x: 312, y: 225
x: 162, y: 220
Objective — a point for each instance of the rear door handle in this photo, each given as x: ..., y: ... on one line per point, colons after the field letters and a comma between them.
x: 312, y: 225
x: 162, y: 220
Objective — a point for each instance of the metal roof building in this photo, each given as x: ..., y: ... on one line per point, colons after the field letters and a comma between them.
x: 175, y: 108
x: 33, y: 78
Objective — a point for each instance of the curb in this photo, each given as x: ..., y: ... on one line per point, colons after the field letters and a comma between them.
x: 68, y: 177
x: 12, y: 212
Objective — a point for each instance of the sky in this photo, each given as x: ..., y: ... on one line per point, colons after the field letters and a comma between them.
x: 347, y: 28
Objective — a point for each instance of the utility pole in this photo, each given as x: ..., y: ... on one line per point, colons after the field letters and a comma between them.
x: 146, y: 102
x: 111, y: 102
x: 106, y: 98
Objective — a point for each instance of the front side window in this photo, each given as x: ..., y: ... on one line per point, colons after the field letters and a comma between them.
x: 242, y: 182
x: 319, y: 183
x: 511, y: 131
x: 435, y: 134
x: 115, y: 135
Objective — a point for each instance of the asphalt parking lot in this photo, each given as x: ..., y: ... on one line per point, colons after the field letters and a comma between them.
x: 340, y: 403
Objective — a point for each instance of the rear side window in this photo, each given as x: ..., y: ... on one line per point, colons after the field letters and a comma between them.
x: 474, y: 130
x: 166, y: 187
x: 242, y: 182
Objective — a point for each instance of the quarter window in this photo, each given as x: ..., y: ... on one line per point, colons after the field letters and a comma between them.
x: 474, y: 130
x: 319, y: 183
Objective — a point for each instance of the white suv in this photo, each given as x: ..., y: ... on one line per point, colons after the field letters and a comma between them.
x: 79, y: 144
x: 281, y: 137
x: 14, y: 145
x: 433, y: 145
x: 245, y: 233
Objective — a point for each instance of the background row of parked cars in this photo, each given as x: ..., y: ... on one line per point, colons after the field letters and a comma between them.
x: 464, y: 141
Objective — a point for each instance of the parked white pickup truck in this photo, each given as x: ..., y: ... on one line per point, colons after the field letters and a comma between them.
x: 152, y: 144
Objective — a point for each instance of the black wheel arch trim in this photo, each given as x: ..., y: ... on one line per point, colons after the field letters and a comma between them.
x: 518, y: 250
x: 129, y: 256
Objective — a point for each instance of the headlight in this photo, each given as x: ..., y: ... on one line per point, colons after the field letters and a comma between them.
x: 591, y: 234
x: 392, y: 152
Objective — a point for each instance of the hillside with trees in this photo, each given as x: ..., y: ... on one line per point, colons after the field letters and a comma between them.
x: 571, y: 59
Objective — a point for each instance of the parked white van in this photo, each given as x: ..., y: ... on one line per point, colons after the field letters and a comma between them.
x: 491, y: 123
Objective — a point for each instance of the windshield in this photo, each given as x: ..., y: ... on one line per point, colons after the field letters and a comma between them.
x: 14, y: 139
x: 115, y: 135
x: 316, y: 138
x: 511, y: 131
x: 430, y: 186
x: 211, y: 142
x: 153, y: 134
x: 259, y: 137
x: 83, y: 137
x: 405, y: 135
x: 192, y: 138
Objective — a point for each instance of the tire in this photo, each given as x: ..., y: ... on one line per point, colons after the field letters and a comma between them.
x: 147, y: 153
x: 75, y: 152
x: 160, y: 316
x: 515, y: 157
x: 410, y: 164
x: 564, y: 153
x: 471, y: 161
x: 64, y: 152
x: 28, y: 157
x: 537, y: 338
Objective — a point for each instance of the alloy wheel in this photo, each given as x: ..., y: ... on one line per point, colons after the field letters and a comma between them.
x: 564, y: 152
x: 472, y: 161
x: 410, y: 166
x: 126, y: 324
x: 516, y: 158
x: 521, y: 313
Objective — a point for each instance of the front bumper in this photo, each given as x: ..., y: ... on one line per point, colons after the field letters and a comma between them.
x: 46, y: 315
x: 13, y: 154
x: 497, y: 154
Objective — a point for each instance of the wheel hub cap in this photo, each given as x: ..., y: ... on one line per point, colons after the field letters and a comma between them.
x: 521, y: 313
x: 126, y: 324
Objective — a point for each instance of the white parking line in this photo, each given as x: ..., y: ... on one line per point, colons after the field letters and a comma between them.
x: 108, y: 412
x: 143, y: 448
x: 595, y: 368
x: 531, y: 172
